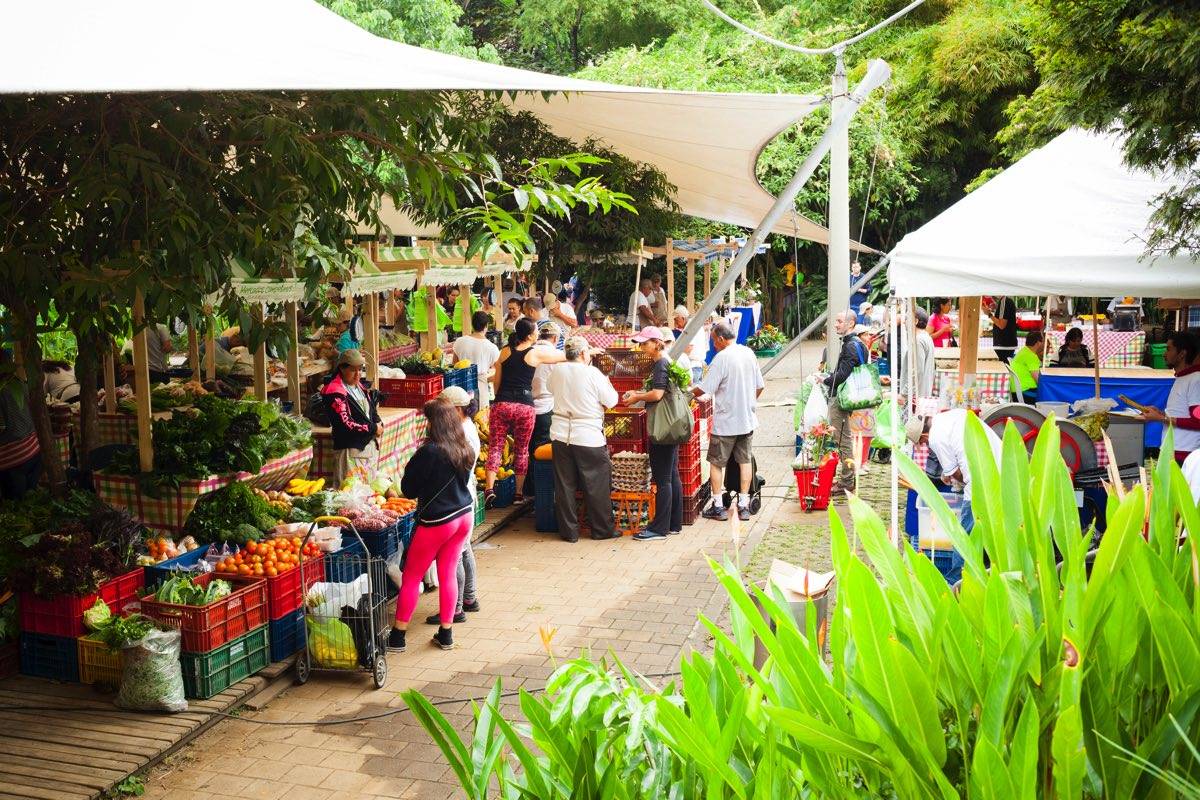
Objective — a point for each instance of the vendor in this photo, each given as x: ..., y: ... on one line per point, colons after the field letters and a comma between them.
x: 946, y: 435
x: 1183, y: 403
x: 346, y: 340
x: 20, y: 453
x: 1074, y: 352
x: 353, y: 418
x: 1027, y: 365
x: 1003, y: 314
x: 514, y: 314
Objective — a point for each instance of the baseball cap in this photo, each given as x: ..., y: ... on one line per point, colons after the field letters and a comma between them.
x: 858, y: 330
x: 649, y: 333
x: 457, y: 396
x: 351, y: 358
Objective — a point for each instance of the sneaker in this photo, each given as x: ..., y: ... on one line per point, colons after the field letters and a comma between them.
x: 744, y: 513
x: 395, y: 642
x: 489, y: 499
x: 470, y: 607
x: 648, y: 536
x: 436, y: 619
x: 674, y: 533
x: 606, y: 538
x: 444, y: 639
x: 713, y: 512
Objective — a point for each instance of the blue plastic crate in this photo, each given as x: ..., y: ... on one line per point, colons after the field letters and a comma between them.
x: 158, y: 573
x: 506, y: 491
x: 544, y: 520
x: 467, y: 378
x: 287, y: 635
x: 53, y: 657
x: 387, y: 542
x: 346, y: 564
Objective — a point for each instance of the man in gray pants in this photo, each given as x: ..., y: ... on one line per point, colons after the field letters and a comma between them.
x: 581, y: 461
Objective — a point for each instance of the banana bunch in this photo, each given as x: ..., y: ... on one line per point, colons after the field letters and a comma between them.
x: 482, y: 424
x: 302, y: 487
x: 462, y: 363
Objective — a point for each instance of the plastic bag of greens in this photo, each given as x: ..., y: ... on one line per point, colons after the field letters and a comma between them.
x: 151, y: 679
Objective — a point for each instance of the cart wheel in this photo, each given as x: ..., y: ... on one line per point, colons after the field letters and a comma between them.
x: 379, y: 673
x: 303, y: 667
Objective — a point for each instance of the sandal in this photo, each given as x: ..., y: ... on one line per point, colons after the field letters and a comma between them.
x: 489, y: 498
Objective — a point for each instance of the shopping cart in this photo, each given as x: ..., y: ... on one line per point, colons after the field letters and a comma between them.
x: 345, y: 616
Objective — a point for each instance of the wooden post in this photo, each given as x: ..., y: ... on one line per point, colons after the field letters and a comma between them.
x: 293, y: 356
x: 707, y: 280
x: 141, y: 383
x: 464, y: 295
x: 260, y: 361
x: 431, y: 334
x: 194, y: 352
x: 371, y: 323
x: 1095, y: 348
x: 670, y: 279
x: 110, y: 381
x: 637, y: 285
x: 968, y: 339
x: 499, y: 308
x: 389, y: 310
x: 691, y: 285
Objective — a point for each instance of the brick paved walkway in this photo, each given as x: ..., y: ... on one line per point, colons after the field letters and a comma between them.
x: 639, y: 600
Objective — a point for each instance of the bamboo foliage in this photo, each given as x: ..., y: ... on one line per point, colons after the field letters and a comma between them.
x: 1053, y: 672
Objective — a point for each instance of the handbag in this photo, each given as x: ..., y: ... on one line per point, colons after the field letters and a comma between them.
x: 862, y: 388
x: 669, y: 421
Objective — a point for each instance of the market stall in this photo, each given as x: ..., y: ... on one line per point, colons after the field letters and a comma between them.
x: 1116, y: 349
x: 400, y: 434
x: 1146, y: 386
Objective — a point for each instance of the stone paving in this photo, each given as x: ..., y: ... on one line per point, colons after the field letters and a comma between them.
x: 639, y: 601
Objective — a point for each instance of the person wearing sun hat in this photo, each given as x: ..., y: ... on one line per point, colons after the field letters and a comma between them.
x: 353, y: 418
x: 464, y: 574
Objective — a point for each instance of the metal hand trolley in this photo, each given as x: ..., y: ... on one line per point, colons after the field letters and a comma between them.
x: 365, y: 619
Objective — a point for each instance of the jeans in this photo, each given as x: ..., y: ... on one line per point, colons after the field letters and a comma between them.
x: 668, y: 503
x: 966, y: 517
x: 465, y: 577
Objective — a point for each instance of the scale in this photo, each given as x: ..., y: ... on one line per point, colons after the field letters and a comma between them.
x: 1126, y: 317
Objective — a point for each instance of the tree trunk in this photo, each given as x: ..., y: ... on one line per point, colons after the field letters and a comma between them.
x: 87, y: 373
x: 35, y: 394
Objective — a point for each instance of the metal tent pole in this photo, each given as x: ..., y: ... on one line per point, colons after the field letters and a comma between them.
x: 878, y: 73
x: 838, y: 279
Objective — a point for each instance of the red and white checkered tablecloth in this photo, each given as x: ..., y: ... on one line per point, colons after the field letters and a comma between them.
x: 602, y: 339
x: 1118, y: 349
x: 169, y: 512
x: 402, y: 431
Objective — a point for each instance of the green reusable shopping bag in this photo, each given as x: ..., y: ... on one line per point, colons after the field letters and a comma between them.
x: 669, y: 421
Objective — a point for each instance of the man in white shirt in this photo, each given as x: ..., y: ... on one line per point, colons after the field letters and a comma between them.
x: 735, y: 382
x: 543, y: 401
x: 640, y: 313
x: 946, y: 435
x: 581, y: 460
x: 1183, y: 402
x: 477, y: 349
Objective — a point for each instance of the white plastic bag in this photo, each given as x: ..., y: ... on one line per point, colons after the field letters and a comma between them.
x: 151, y: 678
x: 1093, y: 405
x: 327, y: 599
x: 816, y: 410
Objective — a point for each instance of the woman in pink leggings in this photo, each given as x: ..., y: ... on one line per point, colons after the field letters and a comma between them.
x: 438, y: 477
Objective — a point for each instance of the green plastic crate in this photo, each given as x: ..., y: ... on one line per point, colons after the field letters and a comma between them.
x: 208, y: 674
x: 479, y: 509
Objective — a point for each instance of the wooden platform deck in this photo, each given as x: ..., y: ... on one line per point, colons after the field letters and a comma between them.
x: 89, y: 746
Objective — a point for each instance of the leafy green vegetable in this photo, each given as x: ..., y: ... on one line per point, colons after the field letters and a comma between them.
x: 182, y: 590
x: 97, y: 616
x: 217, y: 589
x: 118, y: 632
x: 217, y: 516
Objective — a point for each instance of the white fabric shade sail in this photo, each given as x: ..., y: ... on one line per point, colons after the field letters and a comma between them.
x: 706, y: 143
x: 1068, y: 219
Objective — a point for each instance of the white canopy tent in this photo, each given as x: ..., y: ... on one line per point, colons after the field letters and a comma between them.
x: 706, y: 143
x: 1070, y: 218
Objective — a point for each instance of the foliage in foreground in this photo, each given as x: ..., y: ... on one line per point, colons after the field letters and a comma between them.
x: 1034, y: 680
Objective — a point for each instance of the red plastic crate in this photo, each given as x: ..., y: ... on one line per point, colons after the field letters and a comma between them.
x: 285, y: 593
x: 691, y: 476
x: 694, y: 503
x: 625, y: 430
x: 625, y: 383
x: 629, y: 362
x: 412, y: 392
x: 205, y: 628
x: 63, y: 615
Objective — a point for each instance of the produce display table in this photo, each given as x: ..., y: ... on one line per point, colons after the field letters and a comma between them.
x: 991, y: 381
x: 1147, y: 386
x: 169, y: 512
x: 115, y: 428
x: 402, y: 431
x: 1118, y: 349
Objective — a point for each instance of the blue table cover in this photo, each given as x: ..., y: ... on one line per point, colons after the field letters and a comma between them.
x: 1147, y: 391
x: 747, y: 328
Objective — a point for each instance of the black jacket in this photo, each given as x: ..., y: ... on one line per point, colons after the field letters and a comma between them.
x: 848, y: 359
x: 352, y: 425
x: 442, y: 491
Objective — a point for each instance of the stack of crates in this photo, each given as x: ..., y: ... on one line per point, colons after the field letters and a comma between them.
x: 222, y: 642
x: 542, y: 472
x: 693, y: 475
x: 50, y: 629
x: 625, y: 430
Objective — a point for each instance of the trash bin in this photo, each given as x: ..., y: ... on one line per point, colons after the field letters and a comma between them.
x: 1158, y: 358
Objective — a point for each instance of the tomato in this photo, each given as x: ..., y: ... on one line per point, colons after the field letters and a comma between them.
x: 243, y: 570
x: 252, y: 547
x: 271, y: 571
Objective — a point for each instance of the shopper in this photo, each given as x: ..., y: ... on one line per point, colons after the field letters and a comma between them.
x: 438, y: 477
x: 697, y: 348
x: 1183, y: 402
x: 581, y: 460
x: 514, y: 314
x: 535, y: 310
x: 1003, y: 314
x: 1026, y: 365
x: 543, y: 400
x: 59, y: 382
x: 664, y: 458
x: 477, y: 349
x: 513, y: 409
x: 464, y: 573
x: 923, y: 377
x: 941, y: 327
x: 853, y: 353
x: 640, y: 313
x: 353, y: 419
x: 735, y: 382
x: 158, y: 346
x: 20, y: 453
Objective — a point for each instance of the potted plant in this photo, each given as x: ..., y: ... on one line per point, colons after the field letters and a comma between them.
x: 767, y: 341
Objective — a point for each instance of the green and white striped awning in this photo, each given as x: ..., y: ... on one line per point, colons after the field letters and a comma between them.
x: 366, y: 278
x: 255, y: 289
x: 449, y: 276
x: 495, y: 261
